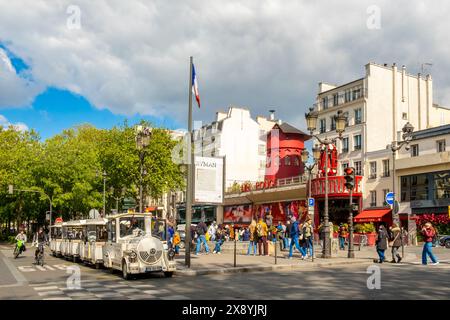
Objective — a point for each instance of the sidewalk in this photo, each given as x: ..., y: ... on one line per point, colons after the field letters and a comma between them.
x: 224, y: 263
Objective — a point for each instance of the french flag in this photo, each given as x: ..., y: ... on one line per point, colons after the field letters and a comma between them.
x: 195, y: 86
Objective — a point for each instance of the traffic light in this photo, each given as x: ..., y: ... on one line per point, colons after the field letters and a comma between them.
x: 349, y: 178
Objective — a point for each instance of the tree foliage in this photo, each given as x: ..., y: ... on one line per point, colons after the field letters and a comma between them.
x: 68, y: 169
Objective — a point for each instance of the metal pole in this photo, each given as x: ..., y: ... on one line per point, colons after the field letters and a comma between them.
x: 189, y: 189
x: 276, y: 235
x: 235, y: 251
x: 351, y: 251
x: 141, y: 156
x: 327, y: 240
x: 104, y: 193
x: 395, y: 216
x: 312, y: 220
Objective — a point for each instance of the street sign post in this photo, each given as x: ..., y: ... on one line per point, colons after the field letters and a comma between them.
x: 390, y: 198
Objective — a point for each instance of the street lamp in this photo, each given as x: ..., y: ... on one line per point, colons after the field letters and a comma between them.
x: 311, y: 121
x: 407, y: 136
x: 310, y: 167
x: 143, y: 135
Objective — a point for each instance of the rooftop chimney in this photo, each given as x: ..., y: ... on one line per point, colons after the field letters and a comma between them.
x: 272, y: 115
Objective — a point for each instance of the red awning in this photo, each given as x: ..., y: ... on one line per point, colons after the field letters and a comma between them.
x: 371, y: 215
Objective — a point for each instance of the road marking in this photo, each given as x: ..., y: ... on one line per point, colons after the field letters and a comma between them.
x: 17, y: 275
x: 48, y: 267
x: 46, y: 288
x: 59, y: 298
x: 41, y: 268
x: 49, y: 293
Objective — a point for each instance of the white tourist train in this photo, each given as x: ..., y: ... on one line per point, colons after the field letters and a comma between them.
x: 133, y: 243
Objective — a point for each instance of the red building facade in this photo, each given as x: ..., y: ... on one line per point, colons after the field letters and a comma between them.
x: 284, y: 146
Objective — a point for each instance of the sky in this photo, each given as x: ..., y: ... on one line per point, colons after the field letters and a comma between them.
x: 64, y: 63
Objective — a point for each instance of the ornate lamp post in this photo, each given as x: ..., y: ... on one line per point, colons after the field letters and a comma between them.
x: 311, y: 121
x: 395, y: 146
x: 143, y: 135
x: 310, y: 167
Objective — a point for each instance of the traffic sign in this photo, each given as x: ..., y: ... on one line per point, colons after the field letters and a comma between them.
x: 310, y: 202
x: 390, y: 198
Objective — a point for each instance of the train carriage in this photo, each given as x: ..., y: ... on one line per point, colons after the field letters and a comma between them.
x: 56, y: 239
x: 95, y: 236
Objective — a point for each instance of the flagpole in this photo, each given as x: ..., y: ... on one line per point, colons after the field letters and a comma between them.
x: 189, y: 189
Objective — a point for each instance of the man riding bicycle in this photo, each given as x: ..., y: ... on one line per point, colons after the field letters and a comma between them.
x: 40, y: 239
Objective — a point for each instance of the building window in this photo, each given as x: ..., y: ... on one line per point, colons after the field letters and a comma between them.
x: 385, y: 192
x: 356, y: 94
x: 335, y: 99
x: 404, y: 116
x: 440, y: 146
x: 358, y: 168
x: 323, y: 125
x: 345, y: 145
x: 373, y: 170
x: 357, y: 142
x: 418, y: 187
x: 333, y: 124
x: 287, y: 161
x: 325, y: 103
x: 261, y: 149
x: 414, y: 150
x: 442, y: 185
x: 386, y: 172
x: 373, y: 198
x: 348, y: 96
x: 344, y: 165
x: 358, y: 118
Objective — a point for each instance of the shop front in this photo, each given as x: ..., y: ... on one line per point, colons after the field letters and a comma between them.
x: 206, y: 212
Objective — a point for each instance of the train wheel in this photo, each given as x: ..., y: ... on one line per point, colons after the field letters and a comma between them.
x: 168, y: 274
x: 125, y: 273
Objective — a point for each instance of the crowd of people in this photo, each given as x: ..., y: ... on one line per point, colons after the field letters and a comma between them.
x: 295, y: 235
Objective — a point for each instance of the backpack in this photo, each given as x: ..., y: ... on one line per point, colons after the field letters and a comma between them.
x: 307, y: 231
x: 259, y: 230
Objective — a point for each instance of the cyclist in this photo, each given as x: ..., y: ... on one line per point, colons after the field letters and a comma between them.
x: 22, y: 237
x: 39, y: 240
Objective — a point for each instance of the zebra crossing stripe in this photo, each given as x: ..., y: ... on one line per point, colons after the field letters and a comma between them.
x: 46, y: 288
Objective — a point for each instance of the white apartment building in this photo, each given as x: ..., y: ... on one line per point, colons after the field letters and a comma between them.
x: 239, y: 138
x: 377, y: 105
x: 423, y: 172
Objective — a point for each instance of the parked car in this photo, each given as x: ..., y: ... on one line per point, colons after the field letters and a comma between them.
x: 181, y: 229
x: 445, y: 241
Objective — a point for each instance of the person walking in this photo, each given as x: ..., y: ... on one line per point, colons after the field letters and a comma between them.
x: 308, y: 234
x: 212, y: 231
x: 395, y: 237
x: 287, y: 234
x: 201, y: 231
x: 280, y: 234
x: 269, y: 219
x: 381, y: 243
x: 246, y: 235
x: 219, y: 236
x: 253, y: 238
x: 262, y: 232
x: 342, y: 236
x: 429, y: 233
x: 176, y: 242
x: 295, y: 234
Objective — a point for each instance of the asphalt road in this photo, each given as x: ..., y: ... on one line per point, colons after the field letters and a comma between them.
x: 19, y: 279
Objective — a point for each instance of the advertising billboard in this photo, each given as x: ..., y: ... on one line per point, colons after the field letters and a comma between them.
x: 209, y: 180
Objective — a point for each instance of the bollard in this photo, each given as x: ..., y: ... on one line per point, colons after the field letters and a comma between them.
x: 275, y: 244
x: 235, y: 252
x: 312, y: 247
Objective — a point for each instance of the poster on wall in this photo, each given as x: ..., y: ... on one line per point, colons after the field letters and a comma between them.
x: 237, y: 214
x: 208, y: 179
x: 282, y: 210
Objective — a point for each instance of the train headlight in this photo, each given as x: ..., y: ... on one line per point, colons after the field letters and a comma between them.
x: 133, y: 255
x: 171, y: 254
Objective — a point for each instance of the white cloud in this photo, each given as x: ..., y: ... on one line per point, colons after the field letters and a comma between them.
x: 19, y: 126
x: 132, y: 56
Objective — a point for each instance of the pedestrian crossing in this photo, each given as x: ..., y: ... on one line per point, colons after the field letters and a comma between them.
x: 94, y: 290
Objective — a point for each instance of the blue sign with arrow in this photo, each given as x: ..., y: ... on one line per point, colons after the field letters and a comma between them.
x: 390, y: 198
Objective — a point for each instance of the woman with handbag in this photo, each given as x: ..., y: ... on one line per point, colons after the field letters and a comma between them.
x: 395, y: 243
x: 381, y: 244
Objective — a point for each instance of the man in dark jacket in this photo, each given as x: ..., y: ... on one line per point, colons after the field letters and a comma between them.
x: 396, y: 239
x: 381, y: 243
x: 201, y: 231
x: 295, y: 234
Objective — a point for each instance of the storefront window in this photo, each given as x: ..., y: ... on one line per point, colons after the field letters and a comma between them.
x: 442, y: 185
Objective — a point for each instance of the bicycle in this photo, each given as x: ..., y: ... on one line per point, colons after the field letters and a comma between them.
x: 18, y: 248
x: 39, y: 259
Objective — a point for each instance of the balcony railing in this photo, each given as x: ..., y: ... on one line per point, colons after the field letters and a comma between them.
x: 336, y: 186
x: 341, y: 99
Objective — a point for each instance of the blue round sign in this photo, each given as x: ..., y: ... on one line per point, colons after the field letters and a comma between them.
x: 390, y: 198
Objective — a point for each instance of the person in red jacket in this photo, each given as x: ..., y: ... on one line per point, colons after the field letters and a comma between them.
x: 428, y: 232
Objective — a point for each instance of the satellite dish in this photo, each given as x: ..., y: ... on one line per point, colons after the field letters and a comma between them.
x: 93, y: 214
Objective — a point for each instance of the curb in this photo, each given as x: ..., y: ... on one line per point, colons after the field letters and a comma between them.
x: 280, y: 267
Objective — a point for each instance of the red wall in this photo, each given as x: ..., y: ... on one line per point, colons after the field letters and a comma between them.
x: 283, y: 145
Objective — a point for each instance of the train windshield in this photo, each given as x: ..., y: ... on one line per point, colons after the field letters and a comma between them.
x: 132, y: 226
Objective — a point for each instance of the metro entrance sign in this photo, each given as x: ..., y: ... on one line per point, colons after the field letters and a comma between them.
x: 310, y: 202
x: 390, y: 198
